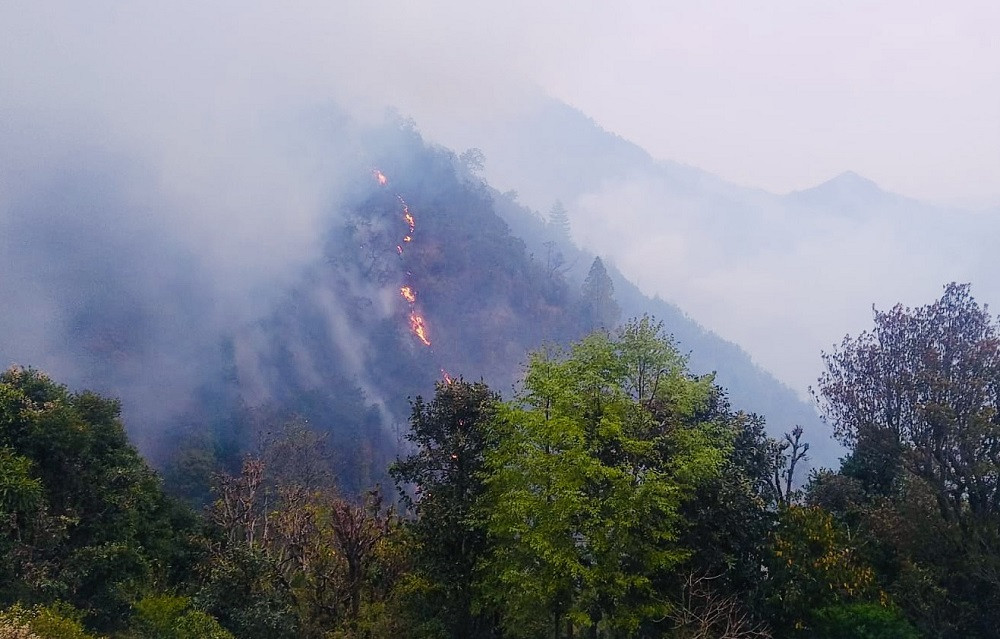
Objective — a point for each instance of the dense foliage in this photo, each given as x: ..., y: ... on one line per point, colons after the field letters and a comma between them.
x: 84, y: 519
x: 207, y: 350
x: 916, y: 401
x: 614, y: 495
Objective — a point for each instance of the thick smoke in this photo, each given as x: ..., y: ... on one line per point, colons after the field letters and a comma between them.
x: 167, y: 171
x: 161, y: 185
x: 122, y: 276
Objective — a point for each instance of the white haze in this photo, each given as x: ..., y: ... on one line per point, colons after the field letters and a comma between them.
x: 787, y: 281
x: 204, y: 102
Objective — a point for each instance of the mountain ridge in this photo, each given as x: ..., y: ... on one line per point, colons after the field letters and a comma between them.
x: 337, y: 347
x: 710, y: 245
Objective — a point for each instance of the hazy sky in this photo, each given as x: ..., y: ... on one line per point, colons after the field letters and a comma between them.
x: 781, y: 94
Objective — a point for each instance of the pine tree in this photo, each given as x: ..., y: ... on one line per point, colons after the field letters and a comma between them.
x: 599, y: 308
x: 559, y: 220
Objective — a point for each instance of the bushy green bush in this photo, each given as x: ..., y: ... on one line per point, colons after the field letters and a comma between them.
x: 166, y: 617
x: 861, y: 621
x: 57, y: 621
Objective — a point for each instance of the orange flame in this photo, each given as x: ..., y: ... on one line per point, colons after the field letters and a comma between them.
x: 419, y: 328
x: 417, y: 323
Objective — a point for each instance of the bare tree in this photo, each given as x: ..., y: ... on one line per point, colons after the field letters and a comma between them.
x: 787, y: 454
x: 704, y: 613
x: 357, y: 530
x: 241, y: 510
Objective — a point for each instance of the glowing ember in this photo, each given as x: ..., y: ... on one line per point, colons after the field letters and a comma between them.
x: 408, y: 294
x: 382, y: 179
x: 445, y: 376
x: 407, y: 239
x: 399, y: 249
x: 419, y: 328
x: 409, y: 218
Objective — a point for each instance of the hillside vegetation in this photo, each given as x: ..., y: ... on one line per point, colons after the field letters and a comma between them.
x: 337, y: 348
x: 615, y: 494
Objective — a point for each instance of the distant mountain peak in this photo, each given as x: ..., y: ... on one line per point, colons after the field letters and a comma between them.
x: 848, y: 182
x: 848, y: 190
x: 853, y: 180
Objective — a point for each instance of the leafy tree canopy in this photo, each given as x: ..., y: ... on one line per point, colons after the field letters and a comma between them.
x: 592, y: 462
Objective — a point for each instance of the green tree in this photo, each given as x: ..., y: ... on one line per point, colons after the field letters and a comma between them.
x: 451, y: 435
x: 56, y: 621
x: 243, y: 588
x: 584, y: 486
x: 21, y: 495
x: 862, y: 621
x: 728, y: 520
x: 167, y: 617
x: 725, y: 523
x: 813, y: 565
x: 24, y: 527
x: 84, y: 518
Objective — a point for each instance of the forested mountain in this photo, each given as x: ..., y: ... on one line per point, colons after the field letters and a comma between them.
x: 750, y: 387
x: 736, y: 259
x: 114, y: 297
x: 614, y: 495
x: 457, y: 320
x: 592, y: 482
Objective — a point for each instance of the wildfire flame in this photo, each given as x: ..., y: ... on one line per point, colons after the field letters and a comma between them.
x: 417, y: 323
x: 419, y: 328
